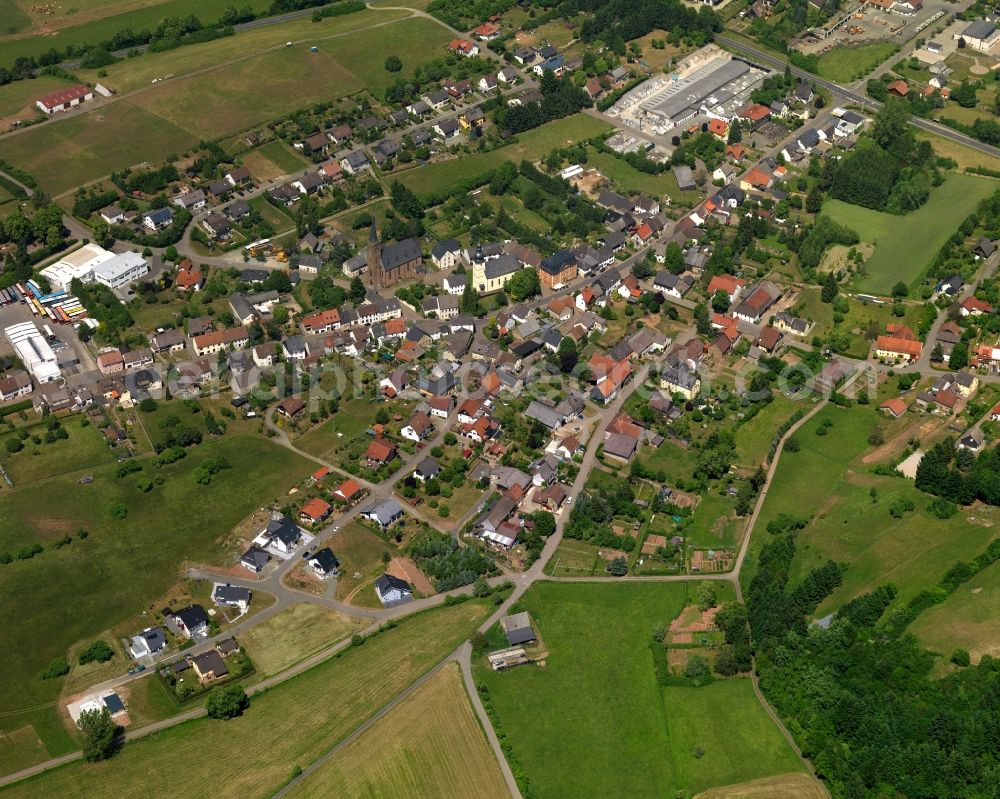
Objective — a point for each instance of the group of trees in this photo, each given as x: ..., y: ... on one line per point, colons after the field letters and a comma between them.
x: 622, y: 21
x: 888, y: 170
x: 450, y: 565
x: 868, y: 711
x: 560, y: 98
x: 958, y: 475
x: 592, y: 514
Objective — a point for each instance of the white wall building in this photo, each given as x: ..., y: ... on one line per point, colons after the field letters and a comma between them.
x: 78, y: 264
x: 121, y: 270
x: 34, y: 351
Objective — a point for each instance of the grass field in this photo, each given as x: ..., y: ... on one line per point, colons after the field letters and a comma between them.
x: 17, y: 99
x: 753, y: 438
x: 905, y: 245
x: 847, y: 64
x: 66, y: 595
x: 294, y: 723
x: 574, y: 559
x: 599, y: 677
x: 824, y: 479
x: 628, y: 178
x: 93, y: 21
x: 138, y: 73
x: 784, y: 786
x: 964, y: 156
x: 530, y: 146
x: 75, y: 150
x: 168, y: 118
x: 967, y: 619
x: 14, y: 19
x: 431, y: 745
x: 296, y: 633
x: 85, y: 448
x: 714, y: 523
x: 215, y: 103
x: 360, y: 552
x: 859, y: 315
x: 726, y: 720
x: 273, y: 160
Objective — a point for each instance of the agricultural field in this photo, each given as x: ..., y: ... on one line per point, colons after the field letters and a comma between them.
x: 138, y: 73
x: 153, y: 540
x: 296, y: 633
x: 967, y: 619
x: 598, y: 676
x: 168, y: 118
x: 214, y: 103
x: 905, y: 245
x: 851, y: 525
x: 964, y: 156
x: 784, y: 786
x: 529, y: 146
x: 714, y: 523
x: 352, y: 419
x: 430, y: 745
x: 84, y: 449
x: 74, y: 150
x: 848, y: 64
x: 295, y: 722
x: 575, y: 559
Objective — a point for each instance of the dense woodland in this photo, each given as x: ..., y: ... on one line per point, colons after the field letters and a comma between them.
x: 860, y: 697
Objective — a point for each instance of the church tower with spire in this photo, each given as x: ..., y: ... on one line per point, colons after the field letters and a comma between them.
x: 375, y: 269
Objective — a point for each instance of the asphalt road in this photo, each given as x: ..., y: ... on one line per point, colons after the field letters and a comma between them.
x: 853, y: 96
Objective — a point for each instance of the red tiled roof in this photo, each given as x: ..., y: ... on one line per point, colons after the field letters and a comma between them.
x: 64, y: 96
x: 315, y: 509
x: 900, y: 346
x: 380, y: 451
x: 726, y: 283
x: 896, y: 406
x: 348, y: 488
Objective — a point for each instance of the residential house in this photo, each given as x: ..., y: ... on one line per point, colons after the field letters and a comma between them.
x: 232, y: 596
x: 314, y: 510
x: 384, y: 513
x: 392, y: 591
x: 324, y: 563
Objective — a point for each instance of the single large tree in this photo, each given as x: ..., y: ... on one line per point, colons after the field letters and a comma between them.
x: 101, y: 735
x: 227, y: 701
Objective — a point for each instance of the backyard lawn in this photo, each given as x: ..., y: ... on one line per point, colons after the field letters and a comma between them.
x: 294, y: 723
x: 627, y: 178
x: 100, y: 572
x: 599, y: 676
x: 529, y: 146
x: 905, y: 244
x: 430, y: 745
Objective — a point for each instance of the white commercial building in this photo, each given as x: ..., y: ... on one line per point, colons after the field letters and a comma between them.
x: 34, y: 351
x: 78, y: 265
x: 121, y: 270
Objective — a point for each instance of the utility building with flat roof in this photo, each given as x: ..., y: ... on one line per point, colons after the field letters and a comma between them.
x: 34, y: 351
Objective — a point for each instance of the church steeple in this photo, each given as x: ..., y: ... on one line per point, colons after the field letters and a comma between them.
x: 375, y: 257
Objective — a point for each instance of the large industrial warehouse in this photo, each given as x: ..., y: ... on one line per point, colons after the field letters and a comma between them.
x: 714, y: 87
